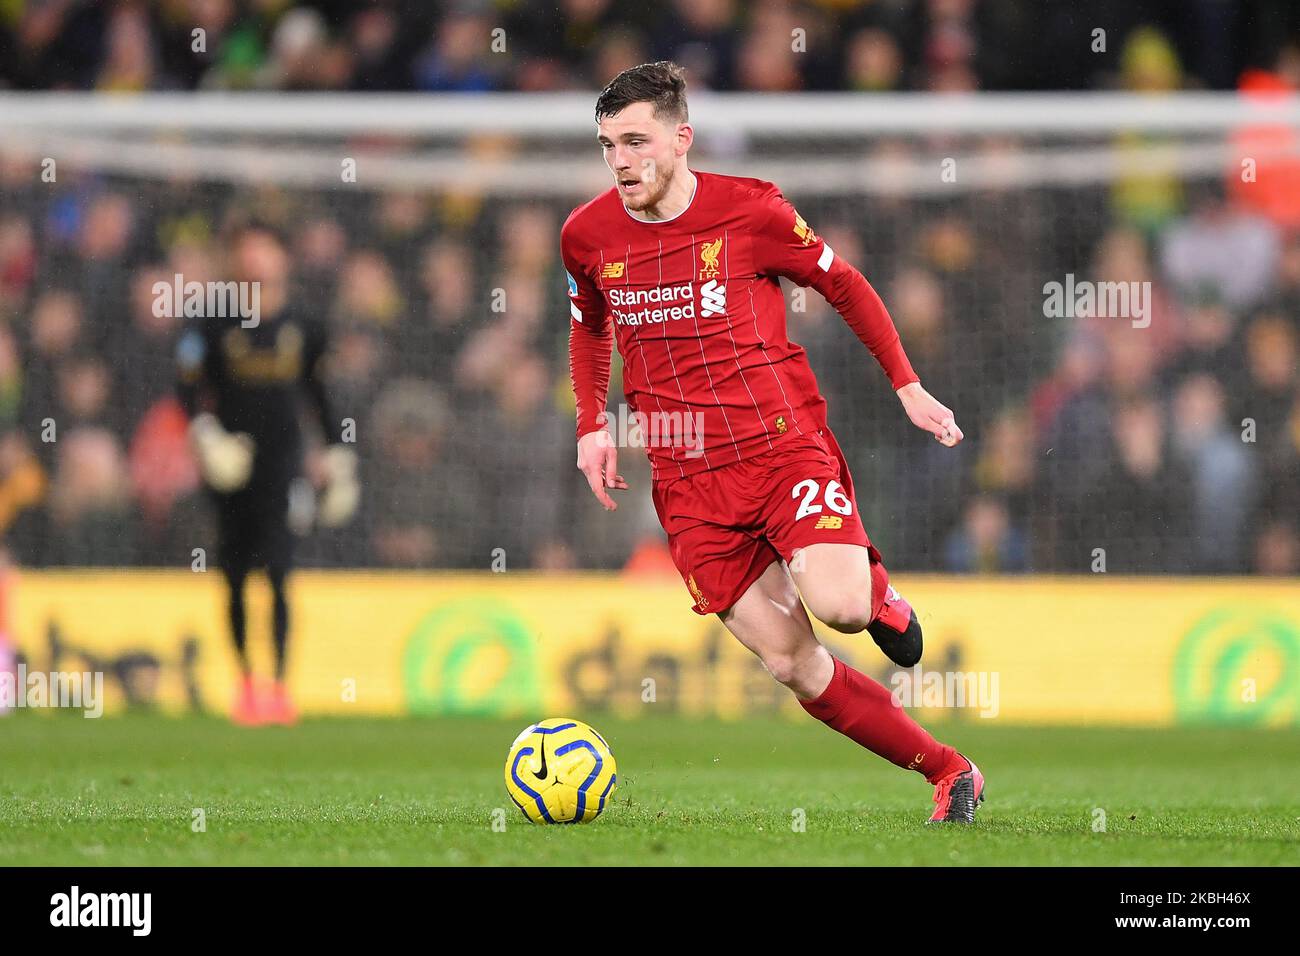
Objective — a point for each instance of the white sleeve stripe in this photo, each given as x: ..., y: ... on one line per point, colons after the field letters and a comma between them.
x: 575, y: 312
x: 826, y: 258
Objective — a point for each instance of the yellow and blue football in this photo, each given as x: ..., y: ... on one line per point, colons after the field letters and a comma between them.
x: 560, y: 771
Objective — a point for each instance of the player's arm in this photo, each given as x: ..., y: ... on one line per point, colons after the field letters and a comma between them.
x: 591, y: 341
x: 342, y: 489
x: 225, y: 459
x: 786, y: 245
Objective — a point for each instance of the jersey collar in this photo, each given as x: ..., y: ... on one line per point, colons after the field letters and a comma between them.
x: 659, y: 222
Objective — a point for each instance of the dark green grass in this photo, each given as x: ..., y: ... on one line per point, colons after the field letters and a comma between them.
x: 122, y: 791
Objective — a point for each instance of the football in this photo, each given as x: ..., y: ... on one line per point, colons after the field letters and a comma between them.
x: 560, y: 771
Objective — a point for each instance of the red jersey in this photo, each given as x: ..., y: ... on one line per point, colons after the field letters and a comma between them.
x: 699, y: 318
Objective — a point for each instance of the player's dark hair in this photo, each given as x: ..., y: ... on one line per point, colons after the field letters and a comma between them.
x: 662, y: 83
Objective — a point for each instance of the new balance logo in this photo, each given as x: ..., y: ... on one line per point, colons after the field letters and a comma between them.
x: 829, y: 523
x: 713, y: 298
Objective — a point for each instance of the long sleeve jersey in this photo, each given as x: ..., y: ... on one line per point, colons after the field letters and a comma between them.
x: 695, y: 307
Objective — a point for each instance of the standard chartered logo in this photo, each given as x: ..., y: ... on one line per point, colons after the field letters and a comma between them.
x: 666, y: 303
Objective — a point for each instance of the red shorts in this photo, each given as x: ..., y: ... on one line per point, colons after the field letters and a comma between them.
x: 726, y: 525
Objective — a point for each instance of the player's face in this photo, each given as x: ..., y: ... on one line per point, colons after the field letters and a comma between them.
x: 642, y: 152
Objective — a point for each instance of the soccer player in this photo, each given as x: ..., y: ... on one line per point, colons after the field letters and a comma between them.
x: 252, y: 372
x: 680, y: 268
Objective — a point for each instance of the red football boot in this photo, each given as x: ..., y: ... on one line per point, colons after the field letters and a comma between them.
x: 958, y: 793
x: 247, y: 710
x: 279, y: 708
x: 896, y: 630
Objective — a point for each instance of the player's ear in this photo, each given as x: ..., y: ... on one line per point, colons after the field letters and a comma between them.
x: 685, y: 136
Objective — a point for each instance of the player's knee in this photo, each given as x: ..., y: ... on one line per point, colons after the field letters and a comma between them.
x: 847, y: 613
x: 784, y: 668
x: 799, y: 672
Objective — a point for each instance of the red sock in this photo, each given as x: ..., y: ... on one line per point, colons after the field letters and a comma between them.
x: 865, y: 712
x: 879, y: 588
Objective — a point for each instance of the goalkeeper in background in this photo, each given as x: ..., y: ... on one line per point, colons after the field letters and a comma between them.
x: 241, y: 382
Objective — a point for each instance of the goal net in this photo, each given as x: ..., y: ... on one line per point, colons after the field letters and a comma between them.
x: 1105, y: 289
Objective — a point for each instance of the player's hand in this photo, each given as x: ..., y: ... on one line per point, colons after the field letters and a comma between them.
x: 225, y: 459
x: 598, y: 460
x: 929, y: 414
x: 342, y: 490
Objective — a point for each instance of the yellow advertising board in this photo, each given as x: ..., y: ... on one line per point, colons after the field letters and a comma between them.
x: 1028, y: 650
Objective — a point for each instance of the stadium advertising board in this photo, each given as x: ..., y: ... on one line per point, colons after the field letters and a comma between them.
x: 1058, y: 650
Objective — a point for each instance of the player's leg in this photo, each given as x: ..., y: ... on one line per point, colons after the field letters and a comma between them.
x: 279, y: 707
x: 847, y: 588
x: 236, y: 573
x: 769, y: 619
x: 245, y: 709
x: 836, y: 583
x: 277, y: 548
x: 233, y: 549
x: 279, y: 578
x: 729, y: 568
x: 812, y: 519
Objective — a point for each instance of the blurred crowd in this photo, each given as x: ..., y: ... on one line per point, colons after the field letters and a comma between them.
x: 1092, y: 442
x: 1167, y: 447
x: 532, y: 45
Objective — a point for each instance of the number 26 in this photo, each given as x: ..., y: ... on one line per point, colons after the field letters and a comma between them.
x: 835, y: 498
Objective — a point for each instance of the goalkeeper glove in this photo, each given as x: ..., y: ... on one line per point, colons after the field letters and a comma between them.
x: 342, y: 490
x: 225, y: 459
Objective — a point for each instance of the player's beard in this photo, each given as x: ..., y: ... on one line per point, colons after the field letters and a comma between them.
x: 654, y: 192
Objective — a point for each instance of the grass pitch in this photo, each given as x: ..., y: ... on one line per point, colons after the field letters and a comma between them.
x: 125, y: 791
